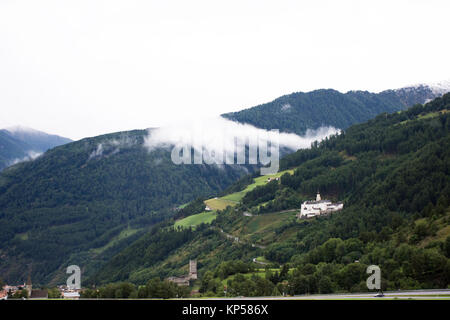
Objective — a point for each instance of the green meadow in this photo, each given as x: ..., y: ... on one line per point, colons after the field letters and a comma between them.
x: 196, y: 219
x: 221, y: 203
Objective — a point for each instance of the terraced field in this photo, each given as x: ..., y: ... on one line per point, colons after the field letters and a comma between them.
x: 196, y: 219
x: 259, y: 181
x: 128, y: 232
x: 221, y: 203
x: 263, y: 229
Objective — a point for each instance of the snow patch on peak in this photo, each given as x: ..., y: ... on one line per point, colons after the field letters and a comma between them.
x: 437, y: 88
x: 440, y: 87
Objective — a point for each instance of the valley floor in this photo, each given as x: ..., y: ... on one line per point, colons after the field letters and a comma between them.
x: 440, y: 294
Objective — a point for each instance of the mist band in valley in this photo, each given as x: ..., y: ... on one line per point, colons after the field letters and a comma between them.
x: 263, y: 148
x: 221, y: 141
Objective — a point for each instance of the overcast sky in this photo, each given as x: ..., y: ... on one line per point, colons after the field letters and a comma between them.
x: 82, y: 68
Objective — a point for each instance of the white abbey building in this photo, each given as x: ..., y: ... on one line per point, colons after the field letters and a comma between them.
x: 319, y: 207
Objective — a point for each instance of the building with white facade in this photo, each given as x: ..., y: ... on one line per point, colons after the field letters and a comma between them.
x: 73, y: 295
x: 318, y: 207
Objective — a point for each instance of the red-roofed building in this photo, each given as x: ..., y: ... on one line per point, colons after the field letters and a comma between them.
x: 3, y: 295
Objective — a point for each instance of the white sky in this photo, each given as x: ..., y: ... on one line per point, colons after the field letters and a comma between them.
x: 82, y: 68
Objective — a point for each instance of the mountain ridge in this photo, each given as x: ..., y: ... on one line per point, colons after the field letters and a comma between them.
x: 77, y: 201
x: 392, y: 174
x: 299, y: 111
x: 19, y: 144
x: 76, y: 198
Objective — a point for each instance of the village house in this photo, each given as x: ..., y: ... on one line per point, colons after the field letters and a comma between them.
x: 3, y: 294
x: 69, y: 293
x: 73, y: 295
x: 13, y: 289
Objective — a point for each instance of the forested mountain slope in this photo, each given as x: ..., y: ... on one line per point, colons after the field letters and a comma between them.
x: 10, y: 149
x: 300, y: 111
x: 81, y: 196
x: 19, y: 144
x: 393, y: 175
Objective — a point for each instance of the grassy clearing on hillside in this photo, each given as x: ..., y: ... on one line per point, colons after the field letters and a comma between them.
x: 345, y: 155
x: 234, y: 198
x: 432, y: 114
x: 442, y: 227
x: 183, y: 205
x: 122, y: 235
x: 426, y: 116
x: 259, y: 181
x: 196, y: 219
x: 219, y: 203
x: 262, y: 180
x: 22, y: 236
x: 261, y: 229
x: 223, y: 202
x: 262, y: 259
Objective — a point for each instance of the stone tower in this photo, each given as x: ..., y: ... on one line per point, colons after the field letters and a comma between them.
x: 29, y: 286
x: 193, y: 269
